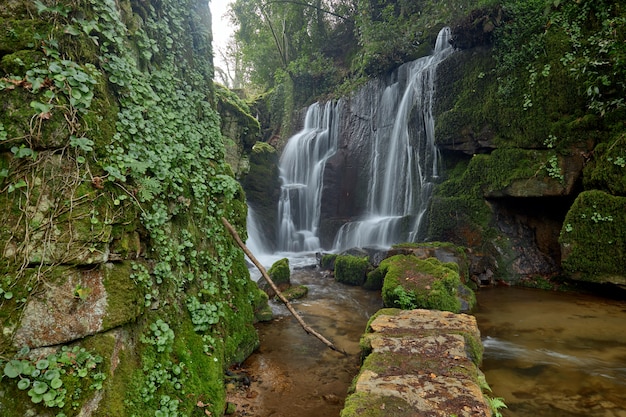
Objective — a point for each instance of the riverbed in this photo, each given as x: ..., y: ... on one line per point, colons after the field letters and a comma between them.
x: 548, y: 354
x: 293, y: 374
x: 552, y: 354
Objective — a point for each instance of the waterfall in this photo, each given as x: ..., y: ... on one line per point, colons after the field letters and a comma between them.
x: 255, y: 241
x: 301, y: 171
x: 387, y: 136
x: 403, y: 158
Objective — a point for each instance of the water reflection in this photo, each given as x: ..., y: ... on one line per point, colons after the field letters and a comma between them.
x: 293, y: 373
x: 553, y: 354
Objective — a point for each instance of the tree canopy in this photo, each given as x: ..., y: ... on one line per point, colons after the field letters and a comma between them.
x: 298, y: 37
x: 317, y: 45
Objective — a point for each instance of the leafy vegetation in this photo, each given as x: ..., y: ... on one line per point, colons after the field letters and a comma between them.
x: 58, y: 379
x: 116, y: 110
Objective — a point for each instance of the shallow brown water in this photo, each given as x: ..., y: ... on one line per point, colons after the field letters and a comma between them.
x: 554, y: 354
x: 548, y: 354
x: 293, y: 373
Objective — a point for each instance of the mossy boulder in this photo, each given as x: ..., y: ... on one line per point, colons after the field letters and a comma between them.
x: 419, y: 362
x: 444, y: 251
x: 295, y: 292
x: 327, y: 261
x: 351, y: 270
x: 410, y: 282
x: 593, y: 238
x: 279, y: 272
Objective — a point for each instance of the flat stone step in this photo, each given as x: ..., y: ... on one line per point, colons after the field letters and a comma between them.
x: 419, y: 363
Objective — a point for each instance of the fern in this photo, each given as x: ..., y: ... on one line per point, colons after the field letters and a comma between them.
x: 148, y: 188
x: 496, y: 403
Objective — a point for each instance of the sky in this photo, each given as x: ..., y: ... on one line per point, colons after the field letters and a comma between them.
x: 222, y: 29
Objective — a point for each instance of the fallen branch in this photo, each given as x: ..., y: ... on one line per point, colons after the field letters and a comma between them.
x: 280, y: 295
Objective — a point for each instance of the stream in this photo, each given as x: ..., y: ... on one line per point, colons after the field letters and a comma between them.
x: 552, y: 354
x: 293, y: 374
x: 547, y: 354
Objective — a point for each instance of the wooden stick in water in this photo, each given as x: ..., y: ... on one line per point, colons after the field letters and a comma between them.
x: 280, y: 295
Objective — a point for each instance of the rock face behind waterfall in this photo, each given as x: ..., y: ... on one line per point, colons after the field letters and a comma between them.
x: 376, y: 184
x: 510, y: 178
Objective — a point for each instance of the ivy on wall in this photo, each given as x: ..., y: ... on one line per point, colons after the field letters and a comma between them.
x: 123, y: 90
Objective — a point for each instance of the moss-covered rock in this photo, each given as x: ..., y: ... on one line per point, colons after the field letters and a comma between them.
x: 446, y: 252
x: 419, y: 362
x: 411, y: 282
x: 279, y: 272
x: 351, y: 270
x: 327, y: 261
x: 593, y: 238
x: 295, y: 292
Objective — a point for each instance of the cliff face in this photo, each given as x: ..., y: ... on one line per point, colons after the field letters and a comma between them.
x: 120, y: 292
x: 533, y: 177
x: 531, y: 145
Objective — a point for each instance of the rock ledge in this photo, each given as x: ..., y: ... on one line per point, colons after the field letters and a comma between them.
x: 419, y: 363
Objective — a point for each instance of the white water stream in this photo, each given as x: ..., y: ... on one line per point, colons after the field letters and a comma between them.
x: 301, y: 168
x: 403, y: 162
x: 404, y: 159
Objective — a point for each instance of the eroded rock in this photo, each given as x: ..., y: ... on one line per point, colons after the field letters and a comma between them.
x: 420, y: 362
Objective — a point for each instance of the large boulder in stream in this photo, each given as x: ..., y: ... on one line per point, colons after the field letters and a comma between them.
x: 419, y: 363
x: 410, y: 282
x: 593, y: 239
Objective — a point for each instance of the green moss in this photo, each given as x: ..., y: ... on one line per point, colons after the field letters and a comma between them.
x: 238, y: 333
x: 125, y: 301
x: 385, y: 311
x: 17, y: 34
x: 607, y: 171
x: 328, y: 261
x: 593, y: 238
x: 414, y: 283
x: 375, y: 279
x: 279, y: 272
x: 260, y: 305
x: 20, y: 61
x: 230, y: 105
x: 363, y: 404
x: 351, y: 270
x: 295, y: 292
x: 475, y: 348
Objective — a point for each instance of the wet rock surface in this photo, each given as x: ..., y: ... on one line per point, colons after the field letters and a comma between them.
x: 419, y: 362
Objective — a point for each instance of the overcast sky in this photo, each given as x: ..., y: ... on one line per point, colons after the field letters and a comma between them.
x: 222, y: 29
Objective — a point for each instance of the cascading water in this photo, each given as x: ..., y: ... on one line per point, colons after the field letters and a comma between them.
x: 404, y: 159
x: 301, y: 169
x: 394, y: 125
x: 254, y: 242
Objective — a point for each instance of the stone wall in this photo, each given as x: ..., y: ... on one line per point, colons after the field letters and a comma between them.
x: 121, y: 293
